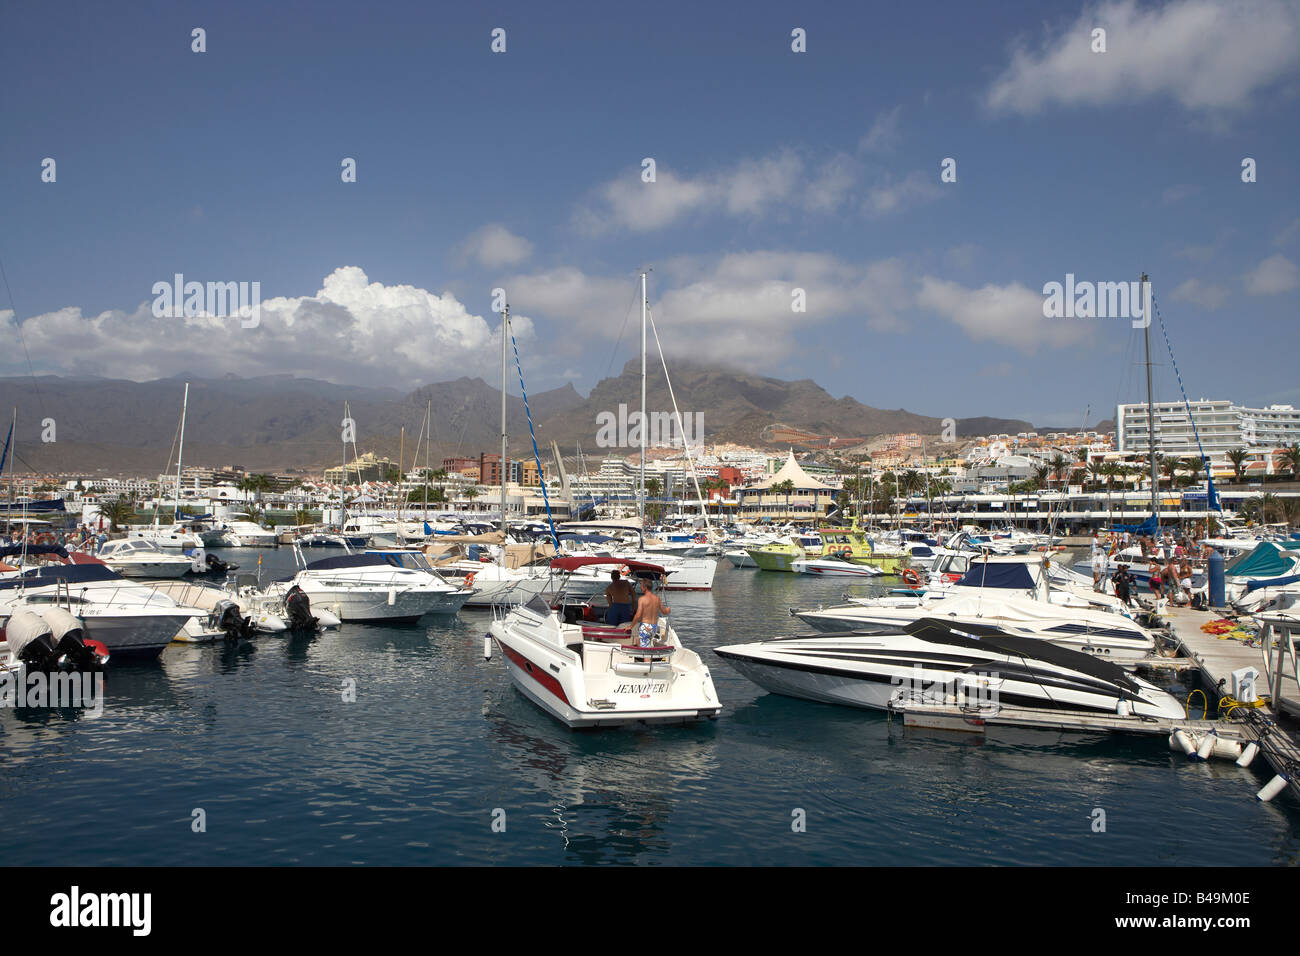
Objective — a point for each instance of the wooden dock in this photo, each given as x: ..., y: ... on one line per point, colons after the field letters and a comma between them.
x: 1217, y: 657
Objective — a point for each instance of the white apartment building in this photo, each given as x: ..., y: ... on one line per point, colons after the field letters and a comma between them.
x: 1274, y: 427
x: 1217, y: 423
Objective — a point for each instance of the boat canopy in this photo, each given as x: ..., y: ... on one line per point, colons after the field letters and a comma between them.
x: 573, y: 563
x: 368, y: 559
x: 996, y: 574
x: 1271, y: 582
x: 52, y: 504
x: 68, y: 573
x: 1266, y: 560
x: 1148, y: 527
x: 32, y: 550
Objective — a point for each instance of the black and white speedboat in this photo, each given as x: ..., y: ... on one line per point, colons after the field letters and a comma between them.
x: 933, y: 659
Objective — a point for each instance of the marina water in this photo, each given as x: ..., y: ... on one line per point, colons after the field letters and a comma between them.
x: 440, y: 761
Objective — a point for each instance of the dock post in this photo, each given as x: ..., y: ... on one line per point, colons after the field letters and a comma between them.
x: 1217, y: 588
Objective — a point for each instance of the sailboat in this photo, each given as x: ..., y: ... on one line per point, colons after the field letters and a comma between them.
x: 178, y: 536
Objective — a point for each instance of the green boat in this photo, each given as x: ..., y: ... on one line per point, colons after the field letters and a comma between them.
x: 777, y: 556
x: 853, y: 544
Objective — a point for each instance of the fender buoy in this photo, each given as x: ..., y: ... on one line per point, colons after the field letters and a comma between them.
x: 911, y: 577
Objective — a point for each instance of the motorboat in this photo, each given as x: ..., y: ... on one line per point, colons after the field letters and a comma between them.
x: 374, y: 586
x: 178, y: 536
x: 227, y: 611
x: 240, y: 532
x: 49, y: 640
x: 999, y: 592
x: 494, y: 583
x: 946, y: 662
x: 586, y: 674
x: 835, y: 565
x: 129, y: 618
x: 141, y: 558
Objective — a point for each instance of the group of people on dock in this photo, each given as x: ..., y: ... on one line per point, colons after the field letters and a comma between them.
x: 82, y: 538
x: 1168, y: 559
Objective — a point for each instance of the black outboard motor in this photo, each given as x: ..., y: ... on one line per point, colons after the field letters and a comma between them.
x: 297, y: 609
x: 217, y: 566
x: 231, y: 622
x: 54, y: 640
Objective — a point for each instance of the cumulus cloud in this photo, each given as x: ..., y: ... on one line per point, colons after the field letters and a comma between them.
x: 1010, y: 314
x: 1274, y: 275
x: 1207, y: 295
x: 1208, y: 55
x: 495, y: 246
x: 350, y: 330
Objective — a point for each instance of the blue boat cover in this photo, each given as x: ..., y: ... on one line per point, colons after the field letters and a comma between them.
x: 32, y: 549
x: 1271, y: 583
x: 985, y: 574
x: 71, y: 573
x: 1266, y: 561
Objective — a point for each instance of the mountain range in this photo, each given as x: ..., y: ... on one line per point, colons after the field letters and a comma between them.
x: 283, y: 422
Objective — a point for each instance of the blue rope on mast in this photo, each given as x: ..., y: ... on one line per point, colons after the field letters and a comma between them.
x: 536, y: 455
x: 1213, y: 497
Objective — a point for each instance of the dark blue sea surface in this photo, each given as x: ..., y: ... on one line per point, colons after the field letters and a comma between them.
x: 438, y: 746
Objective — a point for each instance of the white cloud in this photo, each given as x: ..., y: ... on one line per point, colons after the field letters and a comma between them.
x: 1205, y: 294
x: 350, y: 330
x: 1275, y: 274
x: 494, y: 246
x: 883, y: 135
x: 1010, y: 314
x: 1206, y: 54
x: 892, y: 196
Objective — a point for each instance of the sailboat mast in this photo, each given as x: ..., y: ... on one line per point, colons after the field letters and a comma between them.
x: 1151, y: 415
x: 180, y: 453
x: 640, y: 498
x: 401, y: 474
x: 428, y: 436
x: 505, y: 335
x: 343, y: 482
x: 9, y: 512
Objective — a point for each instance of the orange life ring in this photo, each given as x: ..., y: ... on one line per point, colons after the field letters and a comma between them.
x: 911, y: 577
x: 469, y: 579
x: 624, y: 571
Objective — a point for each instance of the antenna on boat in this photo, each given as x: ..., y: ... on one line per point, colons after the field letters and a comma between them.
x: 180, y: 454
x: 1151, y: 418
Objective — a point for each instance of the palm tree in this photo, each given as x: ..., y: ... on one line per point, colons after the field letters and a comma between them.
x: 1290, y: 459
x: 1095, y: 470
x: 1238, y: 458
x: 471, y: 493
x: 1040, y: 476
x: 302, y: 517
x: 1194, y: 466
x: 1059, y: 466
x: 785, y: 488
x: 119, y: 511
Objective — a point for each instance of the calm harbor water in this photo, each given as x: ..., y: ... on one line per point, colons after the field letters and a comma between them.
x: 438, y: 744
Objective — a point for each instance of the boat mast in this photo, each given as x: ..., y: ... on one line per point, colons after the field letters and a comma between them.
x: 180, y: 453
x: 1151, y: 417
x: 428, y: 436
x: 505, y: 335
x: 401, y: 474
x: 343, y: 483
x: 9, y: 512
x: 640, y: 497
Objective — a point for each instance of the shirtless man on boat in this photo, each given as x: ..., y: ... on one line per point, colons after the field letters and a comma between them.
x: 646, y: 623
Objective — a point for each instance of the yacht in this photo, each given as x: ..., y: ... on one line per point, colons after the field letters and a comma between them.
x: 586, y: 674
x: 241, y: 532
x: 942, y: 662
x: 835, y: 565
x: 375, y: 586
x: 141, y: 558
x: 999, y: 592
x: 128, y: 617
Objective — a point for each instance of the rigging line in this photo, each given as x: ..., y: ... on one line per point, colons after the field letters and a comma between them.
x: 627, y: 317
x: 685, y: 444
x: 18, y: 325
x: 536, y: 455
x: 1186, y: 403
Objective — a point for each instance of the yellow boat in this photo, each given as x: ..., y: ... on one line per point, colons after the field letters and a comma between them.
x: 853, y: 544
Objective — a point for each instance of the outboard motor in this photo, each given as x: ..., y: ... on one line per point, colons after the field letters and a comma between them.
x: 217, y: 566
x: 54, y: 640
x: 297, y: 610
x: 230, y: 621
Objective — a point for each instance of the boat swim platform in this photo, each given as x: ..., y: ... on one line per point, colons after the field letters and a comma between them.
x: 949, y: 716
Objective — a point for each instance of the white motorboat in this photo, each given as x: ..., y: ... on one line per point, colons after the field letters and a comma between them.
x: 176, y: 537
x: 141, y: 558
x: 494, y: 584
x: 935, y: 661
x: 833, y: 566
x: 240, y: 532
x: 263, y: 616
x: 375, y: 586
x: 589, y: 675
x: 127, y: 617
x: 1000, y: 592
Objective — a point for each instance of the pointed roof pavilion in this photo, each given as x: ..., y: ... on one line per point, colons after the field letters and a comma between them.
x: 791, y: 470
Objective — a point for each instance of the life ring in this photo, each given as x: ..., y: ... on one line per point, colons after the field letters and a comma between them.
x: 911, y: 577
x: 624, y: 571
x: 469, y: 579
x: 700, y: 539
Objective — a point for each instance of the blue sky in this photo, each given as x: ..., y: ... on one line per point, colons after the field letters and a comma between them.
x: 775, y: 170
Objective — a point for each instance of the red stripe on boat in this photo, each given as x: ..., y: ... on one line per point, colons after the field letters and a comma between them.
x: 536, y: 673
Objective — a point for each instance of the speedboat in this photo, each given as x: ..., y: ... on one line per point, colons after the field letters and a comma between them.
x: 941, y: 662
x: 240, y: 532
x: 127, y: 617
x: 375, y: 586
x: 178, y: 536
x: 586, y: 674
x: 141, y: 558
x: 1003, y: 593
x: 48, y: 639
x: 834, y: 565
x: 494, y: 583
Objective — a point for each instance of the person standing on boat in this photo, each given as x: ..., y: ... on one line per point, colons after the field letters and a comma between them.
x: 1098, y: 562
x: 619, y: 596
x: 1123, y: 581
x: 645, y: 626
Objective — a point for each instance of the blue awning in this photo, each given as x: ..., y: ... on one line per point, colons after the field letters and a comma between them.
x: 985, y: 574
